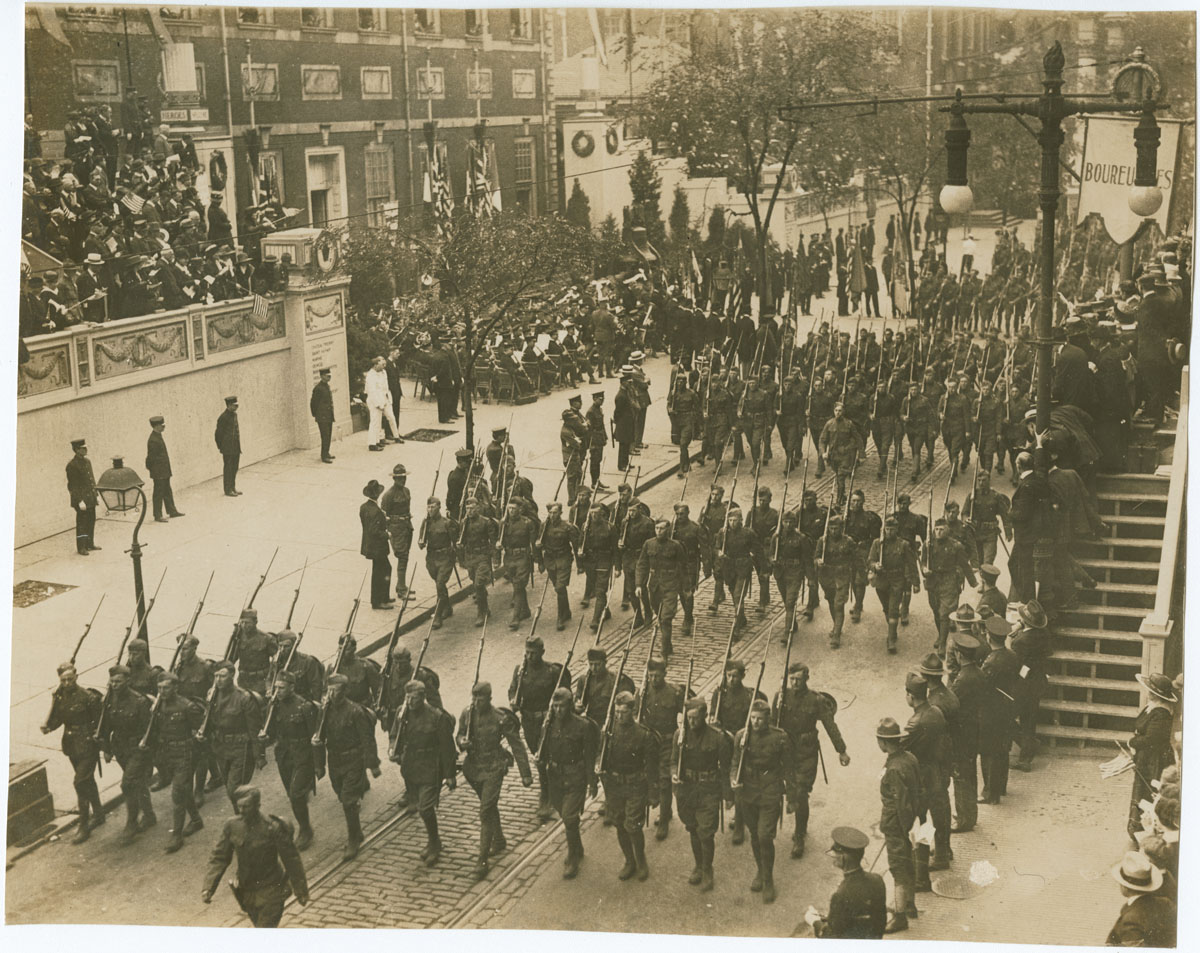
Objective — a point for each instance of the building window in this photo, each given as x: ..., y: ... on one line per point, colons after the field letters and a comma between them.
x: 255, y: 16
x: 96, y: 81
x: 178, y: 13
x: 320, y: 82
x: 263, y: 86
x: 270, y: 174
x: 380, y: 183
x: 614, y: 24
x: 431, y: 83
x: 428, y: 20
x: 90, y: 11
x: 315, y: 18
x: 376, y: 82
x: 524, y: 170
x: 524, y: 84
x: 520, y: 23
x: 371, y: 20
x: 475, y: 22
x: 479, y: 84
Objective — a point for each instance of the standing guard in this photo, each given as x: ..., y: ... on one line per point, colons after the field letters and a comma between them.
x: 81, y: 485
x: 969, y: 687
x: 901, y: 803
x: 396, y: 503
x: 597, y: 438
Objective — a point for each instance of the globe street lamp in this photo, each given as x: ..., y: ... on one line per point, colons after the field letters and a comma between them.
x: 121, y: 489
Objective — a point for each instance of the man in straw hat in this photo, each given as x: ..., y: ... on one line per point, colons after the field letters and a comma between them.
x: 1147, y: 918
x: 1151, y: 742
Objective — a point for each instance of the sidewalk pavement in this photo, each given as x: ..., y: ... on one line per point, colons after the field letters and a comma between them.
x: 308, y: 510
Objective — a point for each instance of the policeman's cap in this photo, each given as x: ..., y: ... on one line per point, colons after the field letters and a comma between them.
x: 576, y: 399
x: 463, y: 454
x: 998, y: 628
x: 965, y: 642
x: 988, y: 570
x: 850, y: 840
x: 156, y: 420
x: 231, y: 401
x: 78, y: 444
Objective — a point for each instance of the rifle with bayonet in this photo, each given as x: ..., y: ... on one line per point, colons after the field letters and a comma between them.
x: 762, y: 667
x: 287, y: 665
x: 71, y: 661
x: 532, y: 629
x: 715, y: 714
x: 397, y: 725
x: 137, y: 622
x: 682, y: 494
x: 390, y: 660
x: 646, y: 671
x: 629, y: 511
x: 296, y: 594
x: 470, y: 729
x: 728, y: 507
x: 231, y: 647
x: 609, y: 718
x: 425, y: 522
x: 318, y: 737
x: 687, y: 693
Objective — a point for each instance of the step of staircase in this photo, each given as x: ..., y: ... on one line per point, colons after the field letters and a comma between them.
x: 1090, y: 708
x: 1149, y: 484
x: 1091, y: 658
x: 1095, y: 684
x: 1110, y: 635
x: 1098, y: 736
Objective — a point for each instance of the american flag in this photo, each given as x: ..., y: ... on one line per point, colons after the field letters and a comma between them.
x: 133, y: 202
x: 260, y: 308
x: 733, y: 304
x: 439, y: 194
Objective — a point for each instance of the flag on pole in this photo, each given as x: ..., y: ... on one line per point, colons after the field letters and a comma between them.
x: 483, y: 187
x: 259, y: 312
x: 439, y: 188
x: 133, y: 202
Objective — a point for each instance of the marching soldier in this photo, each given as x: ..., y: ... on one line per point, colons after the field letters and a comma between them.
x: 700, y: 765
x: 988, y: 508
x: 477, y: 540
x: 693, y: 538
x: 963, y: 532
x: 741, y: 553
x: 914, y: 530
x: 568, y: 757
x: 362, y: 674
x: 533, y: 683
x: 946, y: 567
x: 893, y: 572
x: 234, y: 721
x: 596, y: 686
x: 575, y: 437
x: 797, y: 710
x: 956, y: 427
x: 858, y: 908
x: 349, y: 740
x: 252, y: 650
x: 687, y: 417
x: 396, y: 503
x: 143, y: 677
x: 77, y: 710
x: 924, y: 736
x: 712, y: 522
x: 835, y: 557
x: 762, y: 771
x: 399, y: 675
x: 81, y: 485
x: 811, y: 523
x: 885, y: 427
x: 291, y: 729
x: 862, y: 526
x: 456, y: 484
x: 195, y: 682
x: 820, y: 410
x: 841, y: 445
x: 308, y: 674
x: 424, y: 749
x: 437, y: 538
x: 792, y: 563
x: 792, y: 416
x: 721, y: 410
x: 763, y: 519
x: 636, y: 530
x: 124, y: 719
x: 493, y: 452
x: 901, y: 803
x: 597, y: 438
x: 174, y: 742
x: 730, y: 704
x: 920, y: 423
x: 968, y: 686
x: 269, y: 866
x: 660, y: 566
x: 597, y: 548
x: 555, y: 554
x: 659, y: 709
x: 630, y: 773
x: 482, y: 732
x: 989, y: 426
x: 518, y: 536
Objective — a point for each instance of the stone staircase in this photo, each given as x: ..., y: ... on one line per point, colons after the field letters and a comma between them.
x: 1121, y: 626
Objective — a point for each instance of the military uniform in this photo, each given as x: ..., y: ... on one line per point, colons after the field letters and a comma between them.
x: 956, y: 431
x: 269, y: 867
x: 482, y: 735
x: 350, y: 751
x: 253, y: 652
x: 837, y: 554
x: 556, y: 553
x: 924, y: 736
x: 477, y: 541
x: 863, y: 526
x: 885, y: 427
x: 965, y: 534
x: 593, y: 694
x: 575, y: 439
x: 597, y: 550
x: 399, y: 675
x: 424, y: 749
x: 175, y: 724
x: 946, y: 566
x: 763, y: 520
x: 659, y: 708
x: 1033, y: 648
x: 721, y: 408
x: 686, y: 415
x: 308, y: 672
x: 913, y: 529
x: 893, y: 566
x: 568, y: 757
x: 636, y: 531
x: 437, y: 538
x: 841, y: 443
x: 396, y: 503
x: 741, y: 552
x: 81, y: 485
x: 792, y: 418
x: 456, y: 484
x: 857, y: 909
x: 630, y: 772
x: 363, y: 677
x: 1001, y: 672
x: 695, y: 542
x: 77, y: 710
x: 901, y: 803
x: 793, y: 564
x: 989, y: 425
x: 986, y: 509
x: 597, y: 440
x: 944, y: 700
x: 701, y: 757
x: 811, y: 522
x: 820, y: 410
x: 920, y: 423
x: 233, y: 728
x: 797, y: 711
x: 712, y: 522
x: 765, y: 763
x: 518, y: 535
x: 659, y: 570
x: 291, y: 729
x: 125, y: 719
x: 529, y: 694
x: 969, y: 687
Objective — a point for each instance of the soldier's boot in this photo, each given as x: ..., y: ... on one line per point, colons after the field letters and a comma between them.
x: 481, y: 605
x: 688, y: 623
x: 663, y: 825
x: 176, y: 841
x: 84, y: 830
x: 893, y: 635
x: 768, y: 871
x: 953, y: 468
x: 544, y: 811
x: 756, y: 884
x: 709, y: 848
x: 942, y: 854
x: 354, y: 833
x: 667, y: 647
x: 93, y: 795
x: 574, y: 852
x: 626, y: 843
x: 839, y: 619
x: 898, y: 921
x: 698, y: 856
x: 739, y: 828
x: 921, y: 868
x: 910, y: 904
x: 639, y: 854
x: 401, y: 576
x: 486, y: 836
x: 304, y: 835
x: 801, y: 831
x: 148, y: 818
x: 131, y: 829
x: 856, y: 612
x: 194, y: 825
x: 433, y: 843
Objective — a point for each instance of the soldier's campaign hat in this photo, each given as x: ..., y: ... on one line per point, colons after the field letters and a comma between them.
x: 736, y: 665
x: 561, y: 695
x: 932, y: 665
x: 850, y: 840
x: 411, y: 687
x: 797, y: 668
x: 656, y: 665
x: 373, y: 489
x: 1159, y: 685
x: 964, y: 641
x: 1135, y: 872
x: 598, y: 393
x: 78, y: 444
x: 289, y: 678
x: 399, y: 470
x: 230, y: 401
x: 248, y: 615
x: 576, y: 399
x: 223, y: 666
x: 623, y: 698
x: 1032, y: 614
x: 987, y: 569
x: 460, y: 454
x: 889, y: 728
x: 998, y: 627
x: 499, y: 432
x: 965, y: 613
x: 597, y: 655
x: 759, y: 705
x: 167, y: 677
x: 324, y: 371
x: 482, y: 688
x: 118, y: 670
x: 156, y: 420
x: 535, y: 642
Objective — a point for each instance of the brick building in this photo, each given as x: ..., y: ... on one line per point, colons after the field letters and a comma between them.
x: 339, y: 96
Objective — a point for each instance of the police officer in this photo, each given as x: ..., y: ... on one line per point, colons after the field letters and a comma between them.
x: 252, y: 650
x: 568, y: 757
x: 797, y: 710
x: 533, y: 683
x: 969, y: 688
x: 175, y: 721
x: 423, y: 746
x: 660, y: 567
x: 761, y: 772
x: 700, y: 771
x: 483, y: 731
x: 291, y: 728
x: 125, y: 716
x: 77, y: 710
x: 1001, y: 672
x: 517, y: 537
x: 730, y: 704
x: 81, y: 485
x: 835, y: 556
x: 556, y: 551
x: 659, y: 707
x: 269, y: 866
x: 437, y: 538
x: 858, y: 908
x: 892, y: 570
x: 924, y: 736
x: 629, y: 769
x: 901, y: 803
x: 946, y: 567
x: 396, y: 503
x: 232, y: 724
